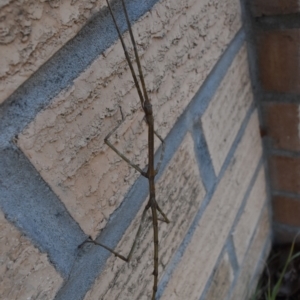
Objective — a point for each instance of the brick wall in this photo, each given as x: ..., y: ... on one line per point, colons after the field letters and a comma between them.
x: 64, y: 78
x: 275, y: 40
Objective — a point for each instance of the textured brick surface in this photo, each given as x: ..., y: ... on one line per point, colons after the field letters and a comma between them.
x: 179, y: 193
x: 32, y: 31
x: 25, y: 273
x: 199, y: 259
x: 284, y: 172
x: 274, y: 7
x: 222, y: 280
x: 242, y: 288
x: 278, y: 53
x: 282, y: 125
x: 249, y: 218
x: 286, y: 210
x: 225, y: 113
x: 179, y: 43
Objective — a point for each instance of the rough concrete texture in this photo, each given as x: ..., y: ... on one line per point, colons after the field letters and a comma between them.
x: 274, y: 7
x: 222, y: 280
x: 249, y: 218
x: 279, y: 50
x: 32, y: 31
x: 225, y: 113
x: 179, y: 193
x: 29, y: 203
x: 179, y: 43
x: 253, y: 259
x: 199, y: 259
x: 282, y: 125
x: 25, y: 273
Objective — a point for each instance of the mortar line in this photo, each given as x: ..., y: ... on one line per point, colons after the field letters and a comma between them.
x: 247, y: 194
x: 237, y: 275
x: 277, y: 22
x: 211, y: 277
x: 281, y: 226
x: 225, y: 249
x: 181, y: 249
x: 295, y: 196
x: 263, y: 257
x: 204, y: 161
x: 285, y: 153
x: 229, y: 245
x: 279, y: 98
x: 232, y: 254
x: 36, y: 211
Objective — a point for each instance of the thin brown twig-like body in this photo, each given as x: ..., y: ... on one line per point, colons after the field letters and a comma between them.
x: 151, y: 171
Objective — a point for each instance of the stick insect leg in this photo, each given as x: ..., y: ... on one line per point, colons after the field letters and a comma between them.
x: 135, y: 53
x: 128, y: 258
x: 107, y: 142
x: 165, y: 218
x: 127, y: 56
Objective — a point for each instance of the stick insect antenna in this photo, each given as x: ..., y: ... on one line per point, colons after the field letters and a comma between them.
x: 127, y: 56
x: 141, y: 77
x: 136, y: 53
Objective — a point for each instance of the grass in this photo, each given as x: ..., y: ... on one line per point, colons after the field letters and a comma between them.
x: 269, y: 291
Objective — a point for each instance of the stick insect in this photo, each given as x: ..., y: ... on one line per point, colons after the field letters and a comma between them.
x: 151, y: 170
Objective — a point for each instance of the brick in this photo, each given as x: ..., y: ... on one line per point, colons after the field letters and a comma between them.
x: 222, y: 280
x: 226, y: 111
x: 286, y: 210
x: 249, y: 218
x: 278, y: 50
x: 25, y: 273
x: 33, y: 32
x: 199, y: 259
x: 179, y: 43
x: 252, y: 261
x: 179, y: 193
x: 285, y: 235
x: 282, y: 125
x: 274, y: 7
x: 284, y: 172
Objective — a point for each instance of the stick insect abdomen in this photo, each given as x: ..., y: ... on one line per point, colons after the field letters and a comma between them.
x: 150, y: 122
x: 155, y: 239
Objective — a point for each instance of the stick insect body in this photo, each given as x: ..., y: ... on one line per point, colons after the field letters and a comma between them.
x: 151, y: 171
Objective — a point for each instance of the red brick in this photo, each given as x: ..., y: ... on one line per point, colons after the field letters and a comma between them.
x: 285, y: 173
x: 282, y: 124
x: 278, y: 53
x: 285, y: 236
x: 286, y: 210
x: 274, y: 7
